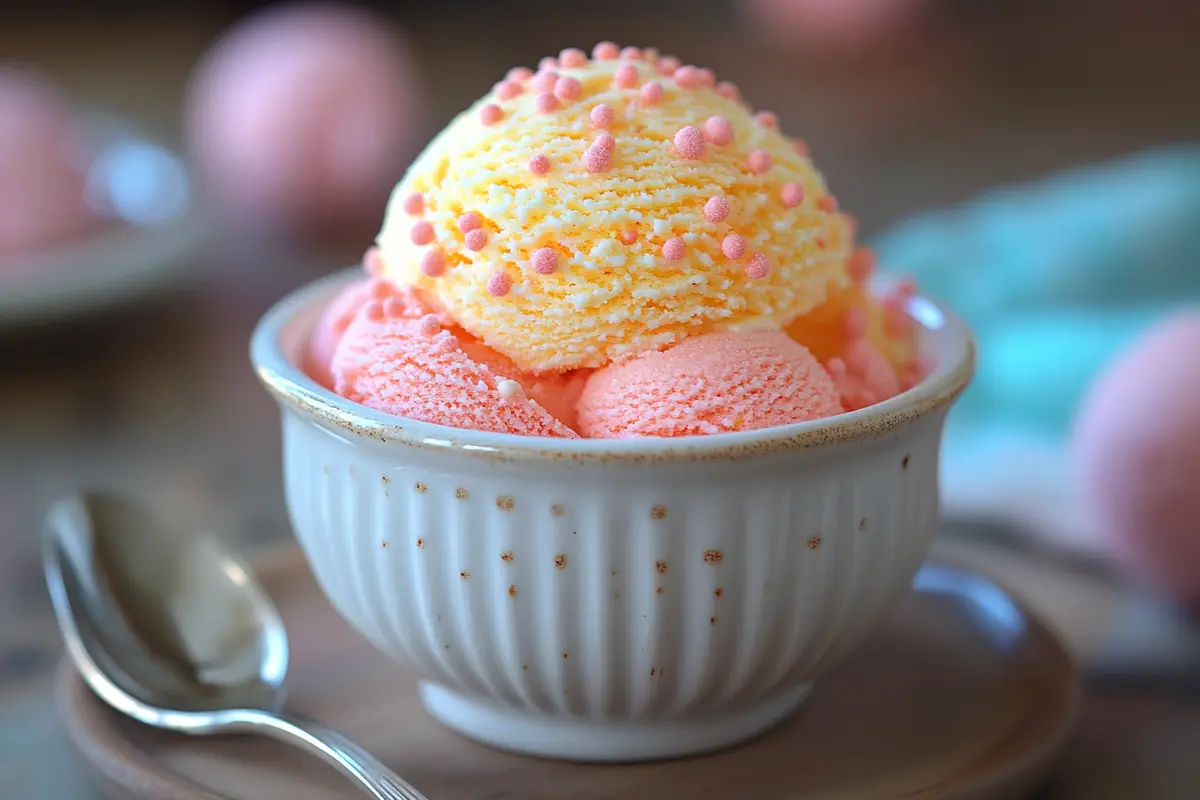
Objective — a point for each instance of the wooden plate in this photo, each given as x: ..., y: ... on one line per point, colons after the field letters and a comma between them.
x: 962, y: 694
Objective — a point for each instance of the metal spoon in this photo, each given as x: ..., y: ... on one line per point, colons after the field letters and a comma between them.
x: 169, y: 627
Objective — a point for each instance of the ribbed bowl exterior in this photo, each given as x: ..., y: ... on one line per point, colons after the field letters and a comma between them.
x: 615, y: 592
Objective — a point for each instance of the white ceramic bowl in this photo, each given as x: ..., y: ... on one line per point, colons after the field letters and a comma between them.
x: 610, y: 600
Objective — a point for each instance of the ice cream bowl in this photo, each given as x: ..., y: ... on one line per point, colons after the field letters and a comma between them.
x: 611, y: 600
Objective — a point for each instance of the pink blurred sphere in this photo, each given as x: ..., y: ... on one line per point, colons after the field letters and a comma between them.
x: 43, y: 164
x: 826, y: 26
x: 305, y: 115
x: 1136, y: 453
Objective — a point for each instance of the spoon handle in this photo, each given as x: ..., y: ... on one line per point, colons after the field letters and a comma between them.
x: 354, y: 762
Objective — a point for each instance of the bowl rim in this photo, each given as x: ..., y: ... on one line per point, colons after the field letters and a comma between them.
x: 293, y: 389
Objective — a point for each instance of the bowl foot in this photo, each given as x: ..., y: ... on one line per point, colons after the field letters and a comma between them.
x: 576, y: 739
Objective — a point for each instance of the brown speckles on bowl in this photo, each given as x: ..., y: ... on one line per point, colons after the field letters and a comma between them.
x: 566, y: 656
x: 525, y: 667
x: 712, y: 620
x: 505, y: 502
x: 420, y: 488
x: 512, y: 590
x: 560, y: 561
x: 383, y: 479
x: 718, y: 592
x: 461, y: 494
x: 660, y: 567
x: 658, y: 590
x: 466, y: 576
x: 507, y: 556
x: 420, y: 544
x: 658, y: 512
x: 862, y: 524
x: 557, y: 510
x: 713, y: 556
x: 814, y: 543
x: 656, y: 672
x: 904, y: 461
x: 383, y: 545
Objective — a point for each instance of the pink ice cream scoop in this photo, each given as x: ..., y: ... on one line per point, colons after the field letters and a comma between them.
x: 342, y: 310
x: 42, y: 174
x: 712, y: 383
x: 415, y: 368
x: 863, y: 376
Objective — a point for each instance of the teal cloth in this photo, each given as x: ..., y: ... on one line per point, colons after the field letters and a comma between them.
x: 1055, y: 278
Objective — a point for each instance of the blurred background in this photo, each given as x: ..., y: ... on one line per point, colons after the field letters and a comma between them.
x: 169, y: 169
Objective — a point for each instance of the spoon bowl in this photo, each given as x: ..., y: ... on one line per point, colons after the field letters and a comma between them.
x: 171, y: 628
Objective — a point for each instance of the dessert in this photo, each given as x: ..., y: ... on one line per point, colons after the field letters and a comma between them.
x: 615, y: 246
x: 43, y: 169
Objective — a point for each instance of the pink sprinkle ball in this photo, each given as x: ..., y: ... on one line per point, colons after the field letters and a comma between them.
x: 733, y: 246
x: 546, y: 103
x: 547, y: 63
x: 394, y: 307
x: 628, y: 236
x: 380, y: 289
x: 632, y: 54
x: 791, y: 195
x: 689, y: 77
x: 498, y: 284
x: 673, y: 249
x: 759, y: 266
x: 470, y: 221
x: 606, y: 51
x: 767, y: 119
x: 476, y: 239
x: 490, y: 114
x: 729, y: 90
x: 544, y: 81
x: 568, y: 89
x: 801, y: 147
x: 718, y: 130
x: 652, y: 93
x: 302, y: 114
x: 604, y: 142
x: 572, y: 58
x: 519, y: 74
x: 626, y: 76
x: 689, y: 142
x: 429, y: 325
x: 539, y: 164
x: 507, y: 90
x: 595, y: 161
x: 668, y: 64
x: 544, y: 261
x: 414, y: 204
x: 374, y: 311
x: 372, y: 262
x: 602, y: 116
x: 759, y: 161
x: 422, y: 233
x: 716, y: 209
x: 433, y: 264
x: 828, y: 203
x: 860, y: 265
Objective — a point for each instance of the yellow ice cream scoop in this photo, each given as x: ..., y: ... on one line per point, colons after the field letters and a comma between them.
x: 606, y: 206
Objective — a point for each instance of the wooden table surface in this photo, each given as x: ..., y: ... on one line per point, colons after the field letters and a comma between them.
x: 160, y: 398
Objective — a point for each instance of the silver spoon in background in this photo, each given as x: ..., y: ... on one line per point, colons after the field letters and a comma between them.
x: 170, y: 628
